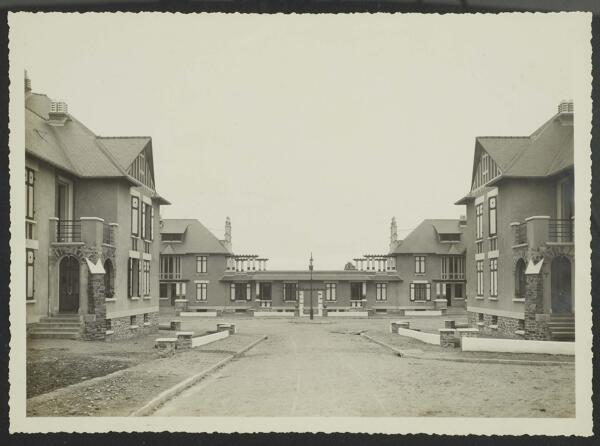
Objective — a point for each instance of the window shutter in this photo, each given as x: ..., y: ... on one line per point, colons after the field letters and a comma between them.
x: 152, y: 224
x: 412, y: 291
x: 258, y: 296
x: 129, y: 277
x: 232, y: 291
x: 248, y: 292
x: 284, y: 287
x: 428, y: 287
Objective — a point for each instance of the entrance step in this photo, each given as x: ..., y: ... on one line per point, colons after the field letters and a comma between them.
x: 60, y: 326
x: 53, y: 335
x: 562, y: 327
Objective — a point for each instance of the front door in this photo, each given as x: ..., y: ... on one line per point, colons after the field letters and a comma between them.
x: 561, y: 285
x: 68, y: 285
x: 449, y: 294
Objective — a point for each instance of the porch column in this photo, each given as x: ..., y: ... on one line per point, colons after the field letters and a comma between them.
x: 95, y: 320
x: 535, y: 327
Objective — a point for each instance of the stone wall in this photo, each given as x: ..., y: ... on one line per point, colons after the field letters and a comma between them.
x: 506, y: 326
x: 122, y: 328
x: 536, y: 326
x: 94, y: 322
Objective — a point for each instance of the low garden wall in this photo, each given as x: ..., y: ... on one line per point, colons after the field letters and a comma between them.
x: 428, y: 338
x: 517, y: 346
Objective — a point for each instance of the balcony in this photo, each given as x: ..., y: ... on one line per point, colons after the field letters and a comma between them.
x: 92, y: 231
x: 246, y: 263
x: 542, y: 230
x: 453, y: 276
x: 170, y: 276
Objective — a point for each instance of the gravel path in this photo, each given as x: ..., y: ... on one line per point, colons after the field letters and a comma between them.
x: 118, y: 394
x: 327, y: 369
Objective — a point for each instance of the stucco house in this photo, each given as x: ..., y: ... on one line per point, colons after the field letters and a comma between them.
x: 91, y: 210
x: 520, y: 237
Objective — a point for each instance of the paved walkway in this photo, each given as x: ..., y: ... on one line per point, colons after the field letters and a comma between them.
x: 326, y: 369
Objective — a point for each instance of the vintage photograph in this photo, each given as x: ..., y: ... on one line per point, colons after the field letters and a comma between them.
x: 344, y: 223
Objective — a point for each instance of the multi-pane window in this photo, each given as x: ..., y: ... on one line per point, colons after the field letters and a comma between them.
x: 109, y: 279
x: 146, y: 277
x: 133, y: 278
x: 135, y: 216
x: 420, y: 264
x: 170, y: 267
x: 381, y: 291
x: 201, y: 264
x: 453, y: 267
x: 330, y: 291
x: 29, y: 202
x: 290, y: 291
x: 240, y: 291
x: 494, y: 277
x: 29, y: 270
x: 492, y: 216
x: 420, y: 291
x: 180, y: 290
x: 264, y: 289
x: 479, y: 274
x: 201, y: 291
x: 147, y: 221
x: 479, y: 221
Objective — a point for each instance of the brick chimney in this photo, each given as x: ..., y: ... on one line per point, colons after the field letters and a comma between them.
x: 462, y: 221
x: 227, y: 240
x: 393, y: 234
x: 565, y: 112
x: 59, y: 113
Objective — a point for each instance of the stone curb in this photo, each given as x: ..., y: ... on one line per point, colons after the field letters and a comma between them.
x: 168, y: 394
x: 403, y: 354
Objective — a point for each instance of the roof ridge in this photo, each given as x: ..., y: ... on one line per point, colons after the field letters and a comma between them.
x: 123, y: 137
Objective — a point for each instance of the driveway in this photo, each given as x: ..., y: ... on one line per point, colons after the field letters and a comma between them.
x: 325, y: 368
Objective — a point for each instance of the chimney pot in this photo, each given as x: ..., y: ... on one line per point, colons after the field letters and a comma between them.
x: 59, y: 113
x: 565, y: 106
x: 27, y: 83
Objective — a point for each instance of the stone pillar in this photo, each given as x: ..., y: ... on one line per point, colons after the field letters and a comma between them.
x: 180, y: 305
x: 52, y: 229
x: 450, y: 323
x: 92, y: 230
x: 184, y: 340
x: 537, y: 231
x: 94, y: 322
x: 534, y: 305
x: 447, y: 338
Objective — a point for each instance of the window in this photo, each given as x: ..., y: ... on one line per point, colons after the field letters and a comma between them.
x: 171, y: 237
x: 170, y: 267
x: 264, y: 290
x: 146, y: 320
x: 146, y: 278
x: 290, y: 291
x: 449, y: 237
x: 494, y: 277
x: 494, y: 320
x: 420, y: 291
x: 356, y: 291
x: 132, y: 320
x: 29, y: 202
x: 109, y: 279
x: 180, y: 290
x: 479, y: 271
x: 492, y: 216
x: 453, y: 267
x: 480, y: 317
x: 201, y: 263
x: 330, y: 291
x: 135, y: 216
x: 520, y: 281
x: 147, y: 221
x: 108, y: 324
x: 479, y: 221
x: 201, y: 291
x: 163, y: 287
x: 30, y: 260
x: 133, y: 278
x: 419, y: 264
x: 381, y: 291
x: 240, y: 291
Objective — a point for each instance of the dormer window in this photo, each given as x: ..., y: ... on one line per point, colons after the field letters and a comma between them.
x: 172, y: 237
x: 449, y: 237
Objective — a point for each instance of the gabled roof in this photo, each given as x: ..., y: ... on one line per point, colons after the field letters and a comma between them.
x: 424, y: 239
x: 125, y: 149
x: 74, y: 148
x: 197, y: 238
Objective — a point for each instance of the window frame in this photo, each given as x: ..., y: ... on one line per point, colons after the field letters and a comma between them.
x: 494, y: 277
x: 479, y: 221
x: 420, y: 264
x: 201, y: 291
x: 420, y: 289
x: 381, y: 291
x: 135, y: 216
x: 201, y: 264
x: 133, y: 277
x: 480, y: 283
x: 29, y: 193
x: 330, y: 291
x: 29, y: 274
x: 286, y: 298
x: 261, y: 290
x: 493, y: 209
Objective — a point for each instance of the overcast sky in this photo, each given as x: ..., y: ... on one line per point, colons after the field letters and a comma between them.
x: 312, y: 131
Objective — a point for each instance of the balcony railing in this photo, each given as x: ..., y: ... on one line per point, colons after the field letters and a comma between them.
x: 453, y: 276
x: 68, y: 231
x: 170, y: 276
x: 560, y: 231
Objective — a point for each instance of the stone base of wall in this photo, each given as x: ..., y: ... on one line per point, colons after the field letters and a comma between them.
x: 537, y: 329
x: 505, y: 326
x: 122, y: 329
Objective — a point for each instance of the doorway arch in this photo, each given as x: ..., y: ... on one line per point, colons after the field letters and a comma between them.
x: 560, y: 285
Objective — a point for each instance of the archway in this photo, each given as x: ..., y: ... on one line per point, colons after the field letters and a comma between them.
x: 560, y: 283
x: 68, y: 285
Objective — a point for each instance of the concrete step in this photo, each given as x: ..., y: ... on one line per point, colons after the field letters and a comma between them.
x: 73, y: 325
x: 53, y: 335
x: 60, y: 319
x: 562, y: 337
x: 53, y: 328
